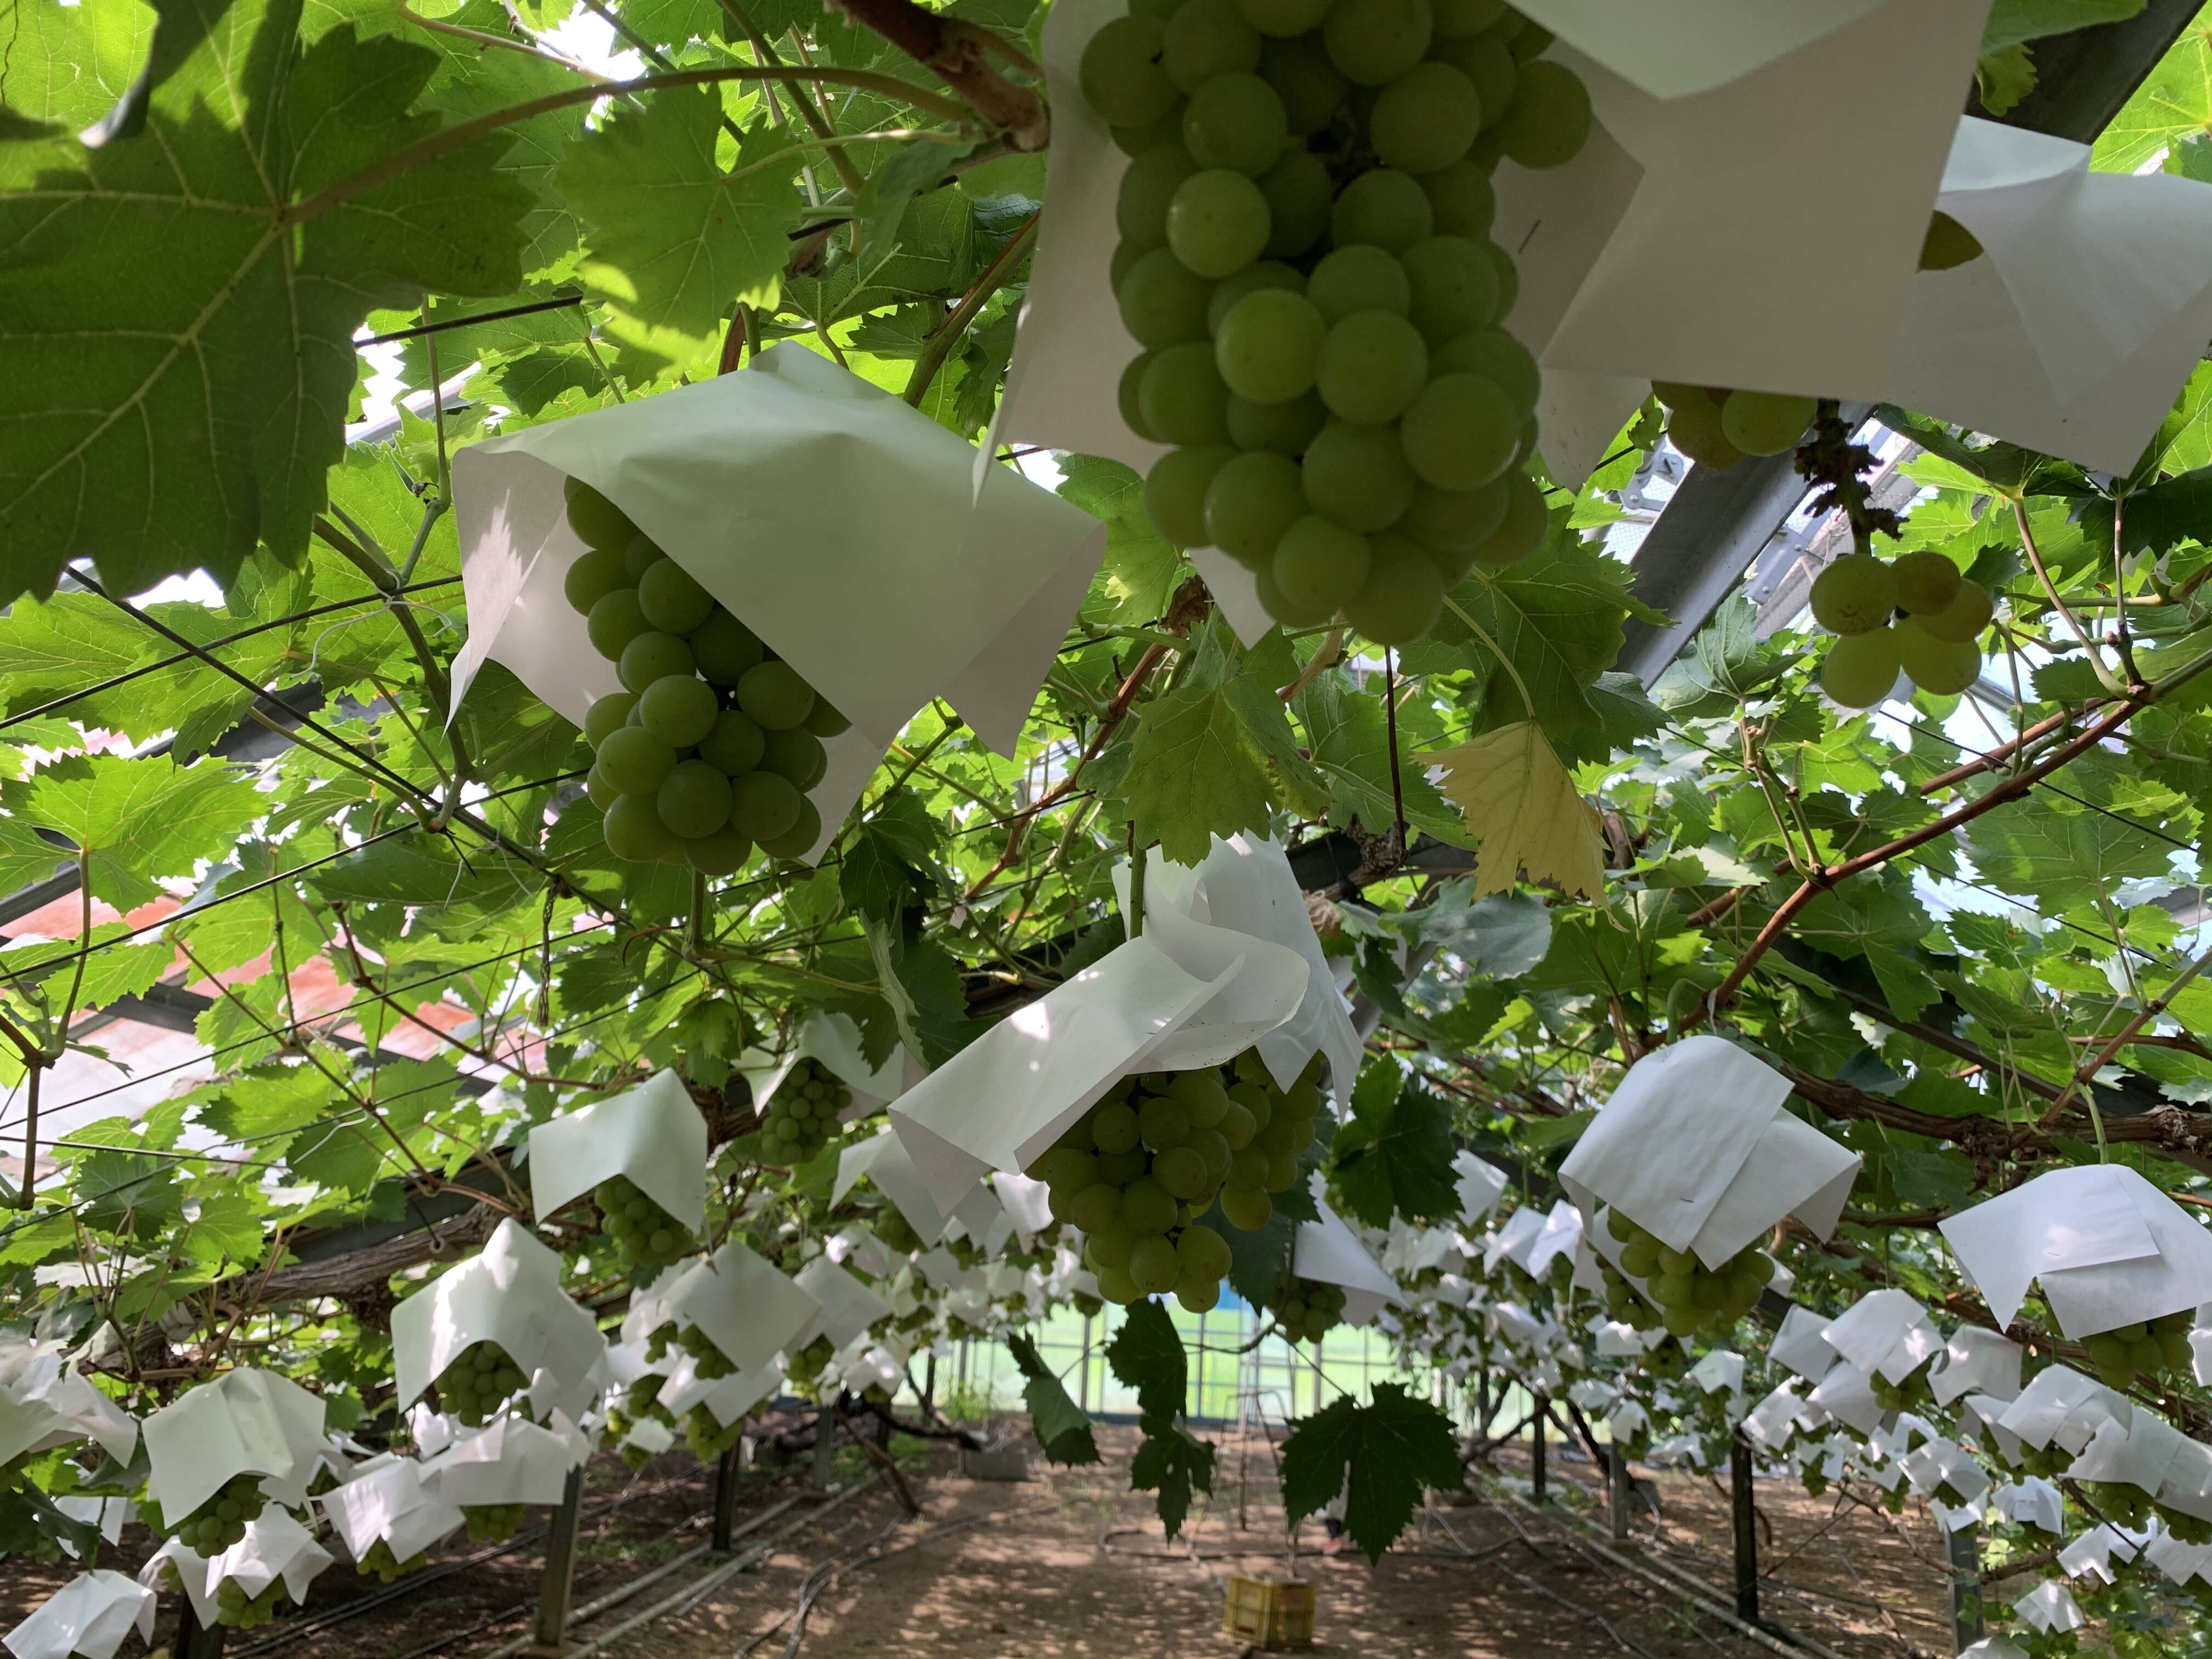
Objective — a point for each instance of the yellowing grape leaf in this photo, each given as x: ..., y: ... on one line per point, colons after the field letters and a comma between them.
x: 1521, y: 806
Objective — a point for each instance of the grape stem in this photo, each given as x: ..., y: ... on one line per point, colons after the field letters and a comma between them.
x: 2106, y: 678
x: 1528, y: 703
x: 949, y: 332
x: 2149, y: 1011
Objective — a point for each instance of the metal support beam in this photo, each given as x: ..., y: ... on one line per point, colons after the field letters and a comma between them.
x: 1747, y: 1528
x: 550, y: 1633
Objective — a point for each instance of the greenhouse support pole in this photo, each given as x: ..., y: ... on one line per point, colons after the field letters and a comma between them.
x: 825, y: 1442
x: 1618, y: 1487
x: 1537, y: 1449
x: 550, y: 1633
x: 1747, y: 1528
x: 194, y: 1639
x: 1964, y: 1548
x: 725, y: 1494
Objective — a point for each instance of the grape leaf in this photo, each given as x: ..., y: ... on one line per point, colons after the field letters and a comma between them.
x: 1060, y: 1426
x: 2012, y: 21
x: 137, y: 823
x: 1196, y: 772
x: 180, y: 370
x: 1142, y: 566
x: 1147, y: 1355
x: 226, y: 1228
x: 670, y: 240
x: 1394, y: 1155
x: 1381, y: 1456
x: 1522, y: 808
x: 2061, y: 858
x: 1172, y: 1462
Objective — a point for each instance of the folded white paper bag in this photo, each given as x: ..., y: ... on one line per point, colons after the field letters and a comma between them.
x: 509, y: 1293
x: 1329, y: 1253
x: 90, y: 1615
x: 746, y: 1305
x: 652, y: 1133
x: 243, y: 1422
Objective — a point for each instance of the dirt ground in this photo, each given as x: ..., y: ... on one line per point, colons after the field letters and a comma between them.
x: 1070, y: 1564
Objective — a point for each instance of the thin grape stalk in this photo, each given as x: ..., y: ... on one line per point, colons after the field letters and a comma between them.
x: 714, y: 744
x: 1306, y: 261
x: 1139, y: 1169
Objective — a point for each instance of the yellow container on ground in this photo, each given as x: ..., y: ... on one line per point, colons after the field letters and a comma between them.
x: 1269, y: 1613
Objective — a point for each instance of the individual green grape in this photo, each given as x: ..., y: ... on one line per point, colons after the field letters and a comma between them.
x: 640, y: 555
x: 597, y: 573
x: 1402, y: 596
x: 1372, y: 367
x: 1926, y: 582
x: 1948, y: 245
x: 1453, y: 525
x: 378, y: 1561
x: 672, y: 599
x: 1373, y: 42
x: 1300, y: 197
x: 606, y: 716
x: 478, y: 1381
x: 1936, y: 666
x: 1455, y: 287
x: 1248, y: 1208
x: 796, y: 754
x: 596, y: 520
x: 679, y: 710
x: 1175, y: 489
x: 775, y: 697
x: 1857, y: 594
x: 1357, y: 475
x: 1489, y: 67
x: 1133, y: 141
x: 1962, y: 621
x: 1496, y: 355
x: 1123, y: 78
x: 1251, y: 502
x: 1161, y: 301
x: 1141, y: 210
x: 1283, y: 17
x: 693, y: 800
x: 1425, y: 120
x: 1549, y: 119
x: 824, y: 719
x: 1693, y: 426
x: 1153, y: 1265
x: 707, y: 1360
x: 1182, y: 397
x: 735, y: 745
x: 1460, y: 432
x: 1311, y: 86
x: 1260, y: 273
x: 1360, y: 277
x: 1320, y: 565
x: 222, y: 1519
x: 1457, y: 18
x: 634, y: 831
x: 635, y: 761
x: 1860, y: 669
x: 1206, y: 39
x: 1765, y: 423
x: 1218, y: 221
x: 1462, y: 201
x: 1235, y: 120
x: 614, y: 621
x: 724, y: 648
x: 1283, y: 428
x: 1384, y: 207
x: 721, y: 854
x: 653, y: 656
x: 490, y: 1523
x: 762, y: 806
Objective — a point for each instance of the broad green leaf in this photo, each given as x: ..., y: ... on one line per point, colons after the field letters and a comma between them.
x: 1142, y: 566
x: 2061, y: 858
x: 1395, y: 1157
x: 1196, y: 772
x: 1147, y: 1355
x: 138, y: 823
x: 180, y: 368
x: 1348, y: 734
x: 2012, y: 21
x: 226, y: 1228
x: 1172, y: 1464
x: 2173, y: 102
x: 1062, y: 1426
x: 1391, y: 1451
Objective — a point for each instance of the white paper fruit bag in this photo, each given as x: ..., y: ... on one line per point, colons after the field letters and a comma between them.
x: 508, y: 1296
x: 649, y: 1140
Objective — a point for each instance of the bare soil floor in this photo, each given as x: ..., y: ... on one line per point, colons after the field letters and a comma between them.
x: 1070, y: 1564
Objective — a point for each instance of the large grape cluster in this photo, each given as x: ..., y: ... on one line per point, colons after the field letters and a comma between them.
x: 1307, y: 1311
x: 1305, y: 258
x: 2122, y: 1355
x: 1692, y: 1297
x: 477, y: 1382
x: 713, y: 743
x: 379, y: 1561
x: 1715, y: 427
x: 1914, y: 613
x: 645, y: 1235
x: 220, y: 1521
x: 235, y: 1608
x: 802, y: 1117
x: 490, y: 1523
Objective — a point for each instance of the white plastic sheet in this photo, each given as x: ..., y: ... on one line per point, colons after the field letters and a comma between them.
x: 90, y: 1615
x: 653, y: 1133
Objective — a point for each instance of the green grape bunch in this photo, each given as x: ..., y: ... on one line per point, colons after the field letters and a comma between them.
x: 1914, y: 614
x: 490, y: 1523
x: 2141, y: 1351
x: 712, y: 745
x: 1305, y: 258
x: 1139, y: 1169
x: 235, y: 1608
x: 801, y: 1119
x: 477, y: 1382
x: 1716, y: 427
x: 1693, y: 1298
x: 895, y: 1230
x: 1910, y: 1393
x: 645, y: 1235
x: 803, y: 1370
x: 1307, y: 1311
x: 378, y: 1561
x: 704, y: 1434
x: 220, y: 1520
x: 707, y: 1360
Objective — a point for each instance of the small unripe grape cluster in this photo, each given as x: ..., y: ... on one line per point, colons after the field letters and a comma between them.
x: 714, y: 742
x: 893, y: 1229
x: 802, y: 1117
x: 1306, y: 258
x: 235, y: 1608
x: 380, y: 1562
x: 1915, y: 614
x: 490, y: 1523
x: 707, y: 1360
x: 1908, y: 1393
x: 1716, y: 427
x: 704, y: 1434
x: 2049, y: 1462
x: 2129, y: 1352
x: 645, y: 1235
x: 804, y: 1369
x: 1692, y: 1297
x: 479, y: 1381
x: 221, y: 1520
x: 1307, y: 1311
